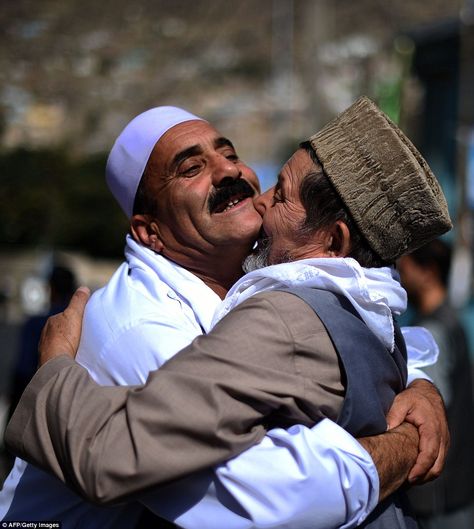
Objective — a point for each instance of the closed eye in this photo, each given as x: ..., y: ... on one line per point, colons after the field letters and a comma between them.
x: 192, y: 169
x: 189, y: 169
x: 277, y: 194
x: 229, y: 153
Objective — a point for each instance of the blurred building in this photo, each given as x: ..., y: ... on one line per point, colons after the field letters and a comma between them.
x: 268, y: 72
x: 443, y: 128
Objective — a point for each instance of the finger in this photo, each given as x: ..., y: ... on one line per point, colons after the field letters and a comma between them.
x: 422, y: 468
x: 79, y: 300
x: 401, y: 407
x: 438, y: 466
x: 430, y: 448
x: 419, y: 475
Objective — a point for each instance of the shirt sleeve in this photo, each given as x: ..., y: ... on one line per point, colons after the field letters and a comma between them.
x: 330, y: 481
x: 317, y: 477
x: 422, y: 351
x: 439, y: 372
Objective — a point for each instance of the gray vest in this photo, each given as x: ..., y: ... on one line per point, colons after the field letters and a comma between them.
x: 373, y: 376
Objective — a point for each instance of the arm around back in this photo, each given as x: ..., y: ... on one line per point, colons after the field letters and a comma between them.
x: 204, y: 406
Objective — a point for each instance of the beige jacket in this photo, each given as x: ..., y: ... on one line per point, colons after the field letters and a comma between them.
x: 268, y: 363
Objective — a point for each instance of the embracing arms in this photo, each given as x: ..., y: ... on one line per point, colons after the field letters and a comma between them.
x: 59, y: 426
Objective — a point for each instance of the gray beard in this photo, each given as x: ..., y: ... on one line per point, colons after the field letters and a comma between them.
x: 258, y: 258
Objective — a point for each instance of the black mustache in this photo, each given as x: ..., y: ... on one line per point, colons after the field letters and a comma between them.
x: 237, y: 188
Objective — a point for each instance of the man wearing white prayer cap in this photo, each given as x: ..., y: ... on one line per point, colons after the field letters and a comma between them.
x: 189, y: 198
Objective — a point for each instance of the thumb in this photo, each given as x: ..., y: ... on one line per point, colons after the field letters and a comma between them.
x: 397, y: 413
x: 78, y: 301
x: 62, y: 332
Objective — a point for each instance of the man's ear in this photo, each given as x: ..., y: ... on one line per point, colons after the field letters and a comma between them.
x: 146, y: 232
x: 339, y: 244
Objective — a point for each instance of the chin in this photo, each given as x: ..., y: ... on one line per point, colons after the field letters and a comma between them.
x: 259, y: 258
x: 253, y: 262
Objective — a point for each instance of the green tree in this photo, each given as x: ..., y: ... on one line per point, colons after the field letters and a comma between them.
x: 47, y: 199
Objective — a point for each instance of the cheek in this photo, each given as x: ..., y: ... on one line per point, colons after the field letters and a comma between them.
x: 275, y: 221
x: 251, y: 177
x: 190, y: 196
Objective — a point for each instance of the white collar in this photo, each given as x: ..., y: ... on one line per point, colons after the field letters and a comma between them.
x: 374, y: 292
x: 185, y: 286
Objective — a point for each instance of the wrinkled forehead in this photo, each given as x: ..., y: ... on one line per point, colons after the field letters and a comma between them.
x: 185, y: 137
x: 297, y: 167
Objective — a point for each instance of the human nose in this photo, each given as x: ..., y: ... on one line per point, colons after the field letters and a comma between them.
x: 224, y: 168
x: 262, y: 202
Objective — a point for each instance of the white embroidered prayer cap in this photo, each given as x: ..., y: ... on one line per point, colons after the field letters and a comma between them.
x: 129, y: 155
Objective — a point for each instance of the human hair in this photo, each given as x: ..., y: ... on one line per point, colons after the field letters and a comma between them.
x: 436, y: 254
x: 324, y: 207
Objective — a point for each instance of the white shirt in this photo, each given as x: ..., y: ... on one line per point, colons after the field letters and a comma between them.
x: 150, y: 309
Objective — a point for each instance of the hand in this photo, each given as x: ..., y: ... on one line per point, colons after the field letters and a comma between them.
x: 421, y: 405
x: 62, y: 332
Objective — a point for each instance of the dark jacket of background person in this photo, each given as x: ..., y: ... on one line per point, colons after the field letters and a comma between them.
x: 62, y: 284
x: 424, y: 272
x: 455, y: 487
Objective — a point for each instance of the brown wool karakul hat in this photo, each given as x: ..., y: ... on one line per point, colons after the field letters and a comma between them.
x: 383, y: 180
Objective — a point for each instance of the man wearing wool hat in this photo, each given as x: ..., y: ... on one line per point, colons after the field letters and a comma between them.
x: 197, y: 222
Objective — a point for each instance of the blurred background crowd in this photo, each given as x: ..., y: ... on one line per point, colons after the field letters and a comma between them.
x: 267, y: 73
